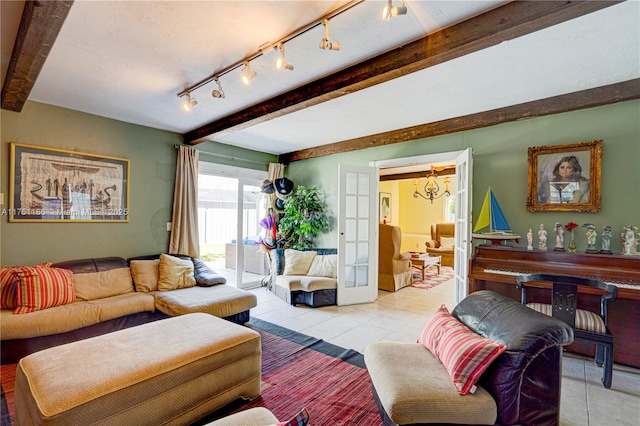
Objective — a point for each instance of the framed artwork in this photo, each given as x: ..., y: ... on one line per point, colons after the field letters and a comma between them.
x: 385, y: 207
x: 55, y: 185
x: 565, y: 177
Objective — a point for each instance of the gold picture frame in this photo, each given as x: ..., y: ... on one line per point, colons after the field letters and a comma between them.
x: 57, y: 185
x: 565, y: 177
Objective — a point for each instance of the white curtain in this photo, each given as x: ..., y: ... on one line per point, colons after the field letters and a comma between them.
x: 184, y: 220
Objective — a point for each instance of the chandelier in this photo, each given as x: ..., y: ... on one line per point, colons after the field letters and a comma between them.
x: 431, y: 188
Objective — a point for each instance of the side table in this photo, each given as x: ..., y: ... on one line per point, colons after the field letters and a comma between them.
x: 422, y: 261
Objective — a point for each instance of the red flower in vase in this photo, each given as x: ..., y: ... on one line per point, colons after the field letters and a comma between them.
x: 571, y: 226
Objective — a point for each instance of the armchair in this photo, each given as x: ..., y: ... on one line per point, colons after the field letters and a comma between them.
x: 437, y: 246
x: 394, y: 268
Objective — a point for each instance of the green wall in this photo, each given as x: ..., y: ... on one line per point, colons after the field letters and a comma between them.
x: 152, y: 170
x: 500, y: 161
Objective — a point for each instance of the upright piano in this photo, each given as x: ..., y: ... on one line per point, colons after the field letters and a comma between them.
x: 494, y: 267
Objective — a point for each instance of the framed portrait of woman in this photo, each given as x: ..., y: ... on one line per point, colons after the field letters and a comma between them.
x: 565, y: 177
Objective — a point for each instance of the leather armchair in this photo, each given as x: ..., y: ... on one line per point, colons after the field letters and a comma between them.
x: 394, y: 268
x: 522, y: 386
x: 435, y: 248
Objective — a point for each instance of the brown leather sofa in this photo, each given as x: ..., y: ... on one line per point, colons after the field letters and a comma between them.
x: 394, y: 268
x: 435, y: 248
x: 522, y: 386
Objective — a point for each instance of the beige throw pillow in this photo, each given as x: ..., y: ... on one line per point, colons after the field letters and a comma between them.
x: 447, y: 242
x: 175, y: 273
x: 145, y: 274
x: 297, y: 262
x: 98, y: 285
x: 325, y: 265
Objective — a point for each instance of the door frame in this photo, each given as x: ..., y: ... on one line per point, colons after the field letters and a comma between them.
x: 449, y: 156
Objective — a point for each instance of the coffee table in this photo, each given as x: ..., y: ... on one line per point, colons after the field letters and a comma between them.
x: 422, y: 261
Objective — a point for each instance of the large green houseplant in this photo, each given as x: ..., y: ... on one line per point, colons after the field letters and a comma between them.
x: 304, y: 218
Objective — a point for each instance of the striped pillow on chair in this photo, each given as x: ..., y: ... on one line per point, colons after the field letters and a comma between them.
x: 465, y: 354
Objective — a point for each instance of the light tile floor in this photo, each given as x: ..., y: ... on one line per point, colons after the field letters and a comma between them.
x: 401, y: 316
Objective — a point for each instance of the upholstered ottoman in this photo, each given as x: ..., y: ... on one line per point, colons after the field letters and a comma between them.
x: 172, y: 371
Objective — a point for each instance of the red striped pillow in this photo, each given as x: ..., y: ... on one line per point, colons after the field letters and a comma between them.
x: 9, y: 284
x: 465, y: 354
x: 41, y: 288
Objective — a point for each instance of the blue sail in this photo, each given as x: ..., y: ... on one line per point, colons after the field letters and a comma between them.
x: 498, y: 221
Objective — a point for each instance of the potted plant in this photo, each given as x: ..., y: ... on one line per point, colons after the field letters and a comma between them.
x: 304, y: 218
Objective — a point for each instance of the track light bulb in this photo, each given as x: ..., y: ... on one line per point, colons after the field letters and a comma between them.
x: 218, y: 93
x: 326, y: 43
x: 247, y: 75
x: 281, y: 63
x: 189, y: 103
x: 389, y: 10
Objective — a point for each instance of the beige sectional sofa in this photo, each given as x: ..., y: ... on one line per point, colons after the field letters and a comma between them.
x: 114, y: 293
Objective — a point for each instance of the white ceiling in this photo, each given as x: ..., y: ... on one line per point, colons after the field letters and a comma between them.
x: 127, y: 60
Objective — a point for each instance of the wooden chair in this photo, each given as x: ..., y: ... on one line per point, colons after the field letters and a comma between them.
x: 588, y: 326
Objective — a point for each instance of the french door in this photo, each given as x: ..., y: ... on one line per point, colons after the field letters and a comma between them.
x: 357, y: 234
x: 462, y: 223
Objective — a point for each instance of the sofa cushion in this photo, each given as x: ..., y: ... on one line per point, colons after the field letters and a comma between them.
x: 145, y: 274
x: 447, y: 242
x: 205, y: 277
x: 465, y: 354
x: 585, y: 320
x: 175, y: 273
x: 297, y: 262
x: 41, y: 288
x: 220, y: 300
x: 72, y: 316
x: 97, y: 285
x: 305, y: 283
x: 414, y: 388
x: 324, y: 266
x: 9, y: 285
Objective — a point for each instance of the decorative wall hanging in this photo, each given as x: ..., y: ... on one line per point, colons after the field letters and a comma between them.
x: 565, y: 177
x: 55, y: 185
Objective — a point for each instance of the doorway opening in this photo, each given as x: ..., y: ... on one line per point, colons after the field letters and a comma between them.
x: 229, y: 211
x: 459, y: 208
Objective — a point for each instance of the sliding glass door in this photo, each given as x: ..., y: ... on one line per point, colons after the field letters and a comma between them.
x: 229, y: 211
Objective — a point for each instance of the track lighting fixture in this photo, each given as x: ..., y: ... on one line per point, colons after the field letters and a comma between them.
x: 326, y: 43
x: 218, y: 93
x: 389, y: 10
x: 247, y: 74
x: 281, y: 63
x: 189, y: 103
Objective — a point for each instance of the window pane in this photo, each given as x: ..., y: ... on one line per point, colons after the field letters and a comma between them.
x: 363, y: 253
x: 363, y: 278
x: 350, y: 230
x: 350, y: 253
x: 351, y: 181
x: 350, y: 277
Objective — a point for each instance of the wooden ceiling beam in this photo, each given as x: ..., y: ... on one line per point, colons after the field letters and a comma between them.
x: 613, y: 93
x: 507, y: 22
x: 39, y: 27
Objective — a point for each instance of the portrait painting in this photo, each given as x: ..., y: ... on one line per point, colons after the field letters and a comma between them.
x: 565, y: 177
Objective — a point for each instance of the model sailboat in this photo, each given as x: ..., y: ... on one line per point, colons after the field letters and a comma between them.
x: 491, y: 217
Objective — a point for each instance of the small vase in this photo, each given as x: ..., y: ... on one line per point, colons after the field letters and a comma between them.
x: 572, y: 244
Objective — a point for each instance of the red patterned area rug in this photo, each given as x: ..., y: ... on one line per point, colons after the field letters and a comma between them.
x: 431, y: 277
x: 297, y: 371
